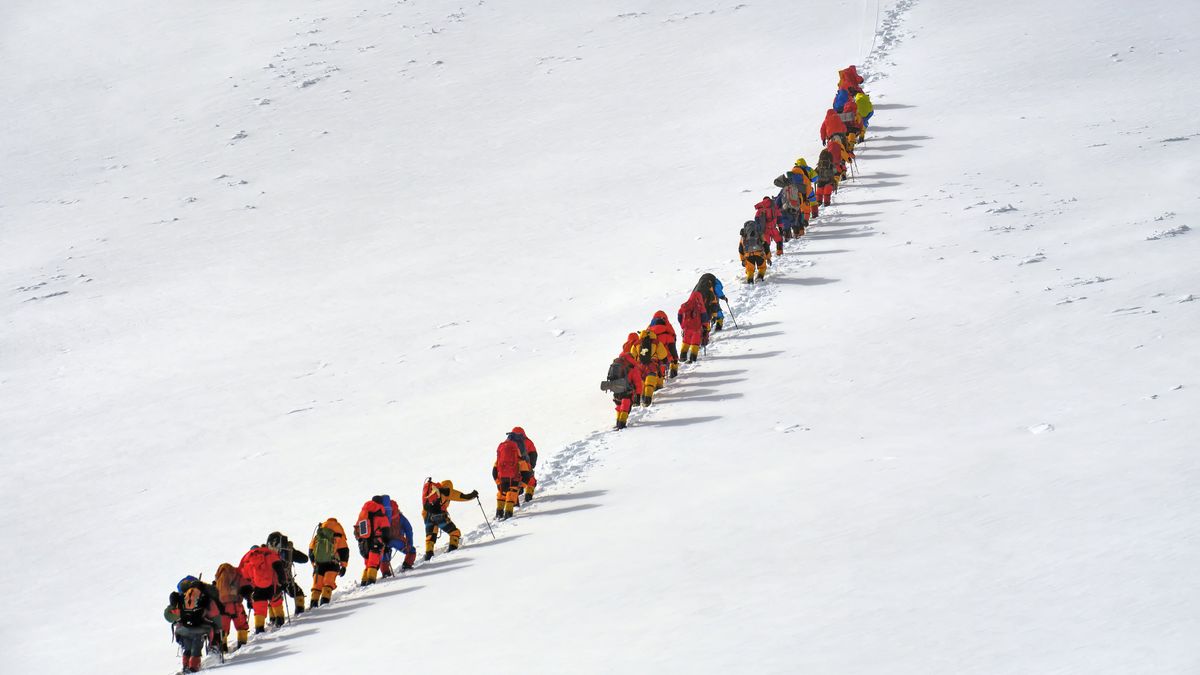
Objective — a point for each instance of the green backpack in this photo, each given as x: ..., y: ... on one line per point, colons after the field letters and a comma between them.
x: 325, y: 549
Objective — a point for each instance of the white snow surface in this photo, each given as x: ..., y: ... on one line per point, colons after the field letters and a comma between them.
x: 261, y: 261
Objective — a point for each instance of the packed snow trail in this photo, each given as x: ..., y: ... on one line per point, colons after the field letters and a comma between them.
x: 568, y: 468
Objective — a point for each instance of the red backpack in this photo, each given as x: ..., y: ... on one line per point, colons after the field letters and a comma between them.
x: 258, y: 568
x: 431, y: 496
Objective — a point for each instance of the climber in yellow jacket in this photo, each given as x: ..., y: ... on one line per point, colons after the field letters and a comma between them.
x: 865, y: 110
x: 654, y: 357
x: 435, y: 504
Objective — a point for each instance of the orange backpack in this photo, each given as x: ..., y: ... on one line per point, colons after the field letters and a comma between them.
x: 227, y: 582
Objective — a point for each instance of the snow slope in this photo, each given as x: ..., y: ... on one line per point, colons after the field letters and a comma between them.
x: 949, y: 437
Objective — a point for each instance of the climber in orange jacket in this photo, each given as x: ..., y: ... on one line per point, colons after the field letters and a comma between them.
x: 329, y: 553
x: 228, y: 583
x: 435, y: 510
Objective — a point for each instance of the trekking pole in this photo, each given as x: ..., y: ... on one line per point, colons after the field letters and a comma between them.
x: 283, y: 593
x: 731, y: 316
x: 485, y: 518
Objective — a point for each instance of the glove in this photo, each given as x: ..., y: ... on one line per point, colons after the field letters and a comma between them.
x: 342, y: 571
x: 474, y: 494
x: 364, y: 547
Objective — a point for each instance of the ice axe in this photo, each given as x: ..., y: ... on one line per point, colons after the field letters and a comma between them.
x: 485, y: 518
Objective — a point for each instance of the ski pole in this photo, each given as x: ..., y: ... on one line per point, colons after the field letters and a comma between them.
x: 731, y: 316
x: 485, y: 518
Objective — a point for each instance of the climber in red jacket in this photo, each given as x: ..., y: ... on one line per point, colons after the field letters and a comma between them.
x: 766, y: 213
x: 692, y: 317
x: 833, y: 124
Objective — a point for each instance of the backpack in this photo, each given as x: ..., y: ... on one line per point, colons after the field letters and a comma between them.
x: 431, y: 496
x: 193, y: 600
x: 793, y: 197
x: 646, y: 347
x: 325, y: 546
x: 617, y: 381
x: 193, y: 605
x: 519, y: 440
x: 226, y: 582
x: 751, y: 239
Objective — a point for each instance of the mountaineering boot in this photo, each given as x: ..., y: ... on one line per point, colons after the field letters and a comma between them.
x: 452, y: 547
x: 499, y: 512
x: 276, y: 612
x: 647, y: 399
x: 243, y: 636
x: 325, y: 600
x: 637, y: 399
x: 316, y: 598
x: 674, y: 370
x: 299, y: 605
x: 428, y: 556
x: 528, y: 497
x: 760, y: 276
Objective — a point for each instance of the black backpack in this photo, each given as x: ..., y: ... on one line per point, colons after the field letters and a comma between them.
x: 646, y: 349
x: 617, y: 381
x: 751, y: 238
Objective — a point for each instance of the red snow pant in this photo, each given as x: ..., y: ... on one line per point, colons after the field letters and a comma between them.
x: 234, y: 612
x: 825, y: 194
x: 267, y: 600
x: 624, y: 403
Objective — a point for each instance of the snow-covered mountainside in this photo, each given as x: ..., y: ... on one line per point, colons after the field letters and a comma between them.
x: 261, y: 261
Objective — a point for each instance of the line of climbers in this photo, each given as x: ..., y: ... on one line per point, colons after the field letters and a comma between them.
x: 201, y: 613
x: 649, y: 357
